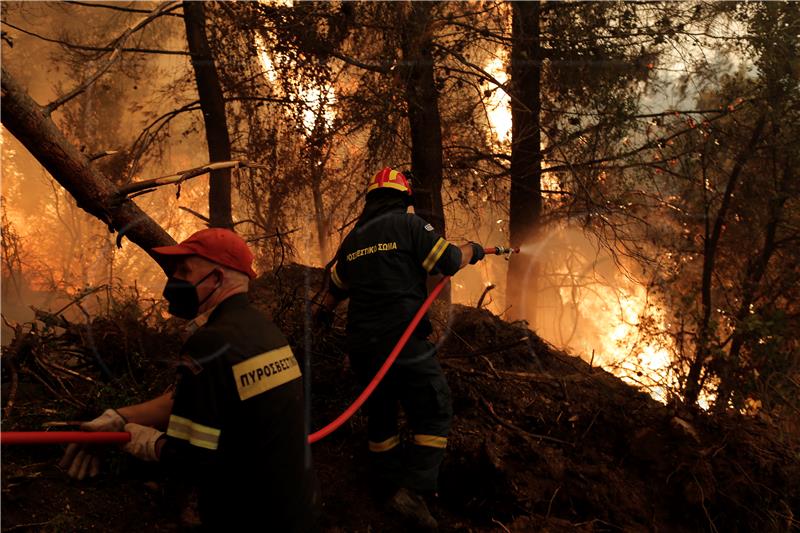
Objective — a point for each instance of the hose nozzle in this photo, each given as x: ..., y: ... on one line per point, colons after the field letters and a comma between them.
x: 501, y: 250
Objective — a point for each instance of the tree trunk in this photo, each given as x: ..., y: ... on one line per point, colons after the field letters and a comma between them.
x: 212, y: 104
x: 315, y: 143
x: 320, y: 218
x: 423, y: 115
x: 93, y: 192
x: 526, y: 159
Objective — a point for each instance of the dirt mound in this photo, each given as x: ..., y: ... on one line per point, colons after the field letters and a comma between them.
x: 542, y: 441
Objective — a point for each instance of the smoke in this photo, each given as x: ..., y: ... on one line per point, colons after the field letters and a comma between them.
x: 578, y: 298
x: 60, y: 250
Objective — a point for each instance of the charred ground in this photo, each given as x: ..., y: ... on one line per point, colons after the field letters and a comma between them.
x: 542, y: 441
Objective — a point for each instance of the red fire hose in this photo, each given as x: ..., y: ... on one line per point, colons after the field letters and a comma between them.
x: 350, y: 411
x: 98, y: 437
x: 64, y: 437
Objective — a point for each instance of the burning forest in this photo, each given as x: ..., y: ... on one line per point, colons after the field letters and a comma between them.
x: 561, y: 237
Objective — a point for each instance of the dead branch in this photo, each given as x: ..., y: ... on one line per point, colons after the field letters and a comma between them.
x: 88, y: 48
x: 9, y: 359
x: 483, y: 295
x: 115, y: 55
x: 380, y: 69
x: 47, y: 386
x: 502, y: 526
x: 191, y: 211
x: 550, y: 504
x: 151, y: 130
x: 488, y: 350
x: 5, y: 321
x: 45, y: 367
x: 278, y: 235
x: 491, y: 366
x: 181, y: 176
x: 104, y: 153
x: 567, y: 165
x: 32, y: 525
x: 70, y: 372
x: 79, y: 297
x: 589, y: 427
x: 120, y: 8
x: 526, y: 434
x: 542, y: 377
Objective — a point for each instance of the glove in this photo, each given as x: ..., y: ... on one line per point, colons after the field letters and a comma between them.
x: 477, y: 253
x: 81, y: 460
x: 323, y: 318
x: 143, y: 442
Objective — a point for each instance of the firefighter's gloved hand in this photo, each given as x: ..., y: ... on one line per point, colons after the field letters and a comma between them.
x: 323, y: 318
x: 81, y: 460
x: 477, y: 253
x: 143, y: 442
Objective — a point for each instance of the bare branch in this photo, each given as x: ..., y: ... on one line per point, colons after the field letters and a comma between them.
x: 381, y: 69
x: 180, y: 177
x: 646, y: 146
x: 278, y: 235
x: 89, y: 48
x: 118, y: 44
x: 149, y: 132
x: 118, y: 8
x: 102, y: 154
x: 195, y: 213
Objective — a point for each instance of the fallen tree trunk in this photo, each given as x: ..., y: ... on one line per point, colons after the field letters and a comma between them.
x: 94, y: 193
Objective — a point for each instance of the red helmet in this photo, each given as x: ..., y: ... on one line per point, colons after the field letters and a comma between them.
x: 389, y: 179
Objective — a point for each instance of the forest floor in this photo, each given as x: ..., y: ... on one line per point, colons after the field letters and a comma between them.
x: 541, y: 441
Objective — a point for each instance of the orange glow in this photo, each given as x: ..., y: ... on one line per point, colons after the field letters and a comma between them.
x: 498, y: 106
x: 617, y: 345
x: 316, y: 99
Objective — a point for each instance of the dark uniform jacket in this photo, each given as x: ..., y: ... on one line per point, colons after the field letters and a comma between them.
x: 382, y: 266
x: 237, y: 428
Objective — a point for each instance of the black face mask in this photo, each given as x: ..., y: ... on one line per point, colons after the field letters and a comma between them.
x: 182, y: 296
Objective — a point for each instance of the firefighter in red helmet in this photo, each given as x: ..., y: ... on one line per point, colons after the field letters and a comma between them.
x: 233, y: 425
x: 382, y: 266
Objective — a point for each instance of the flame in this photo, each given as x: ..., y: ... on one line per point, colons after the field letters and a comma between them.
x: 614, y: 316
x: 265, y: 59
x: 498, y: 105
x: 64, y: 249
x: 316, y: 100
x: 587, y: 307
x: 498, y: 110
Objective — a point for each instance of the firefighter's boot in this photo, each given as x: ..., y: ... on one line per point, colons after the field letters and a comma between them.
x: 412, y: 507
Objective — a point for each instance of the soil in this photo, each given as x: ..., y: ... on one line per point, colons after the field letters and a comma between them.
x: 542, y: 441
